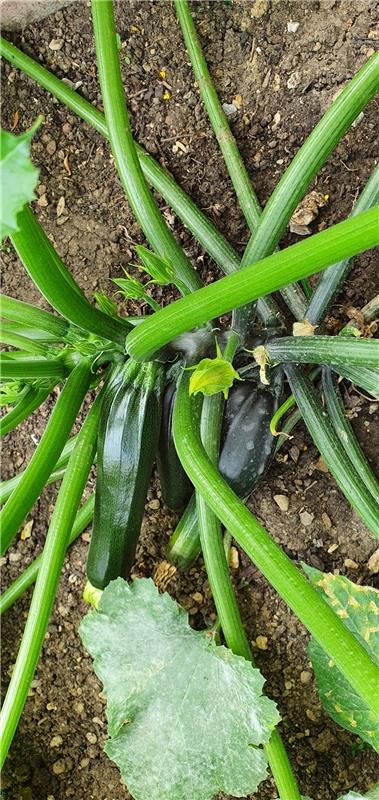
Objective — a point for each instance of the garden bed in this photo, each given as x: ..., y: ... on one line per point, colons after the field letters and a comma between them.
x: 280, y: 78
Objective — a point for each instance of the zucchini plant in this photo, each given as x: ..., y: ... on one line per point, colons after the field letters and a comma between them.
x: 202, y: 401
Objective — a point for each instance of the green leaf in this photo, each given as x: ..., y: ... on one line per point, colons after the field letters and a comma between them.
x: 213, y: 375
x: 185, y: 716
x: 160, y: 269
x: 18, y: 177
x: 358, y: 608
x: 105, y: 304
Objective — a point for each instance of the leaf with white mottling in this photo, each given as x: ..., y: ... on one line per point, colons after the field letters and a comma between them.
x: 358, y: 608
x: 186, y: 717
x: 18, y: 177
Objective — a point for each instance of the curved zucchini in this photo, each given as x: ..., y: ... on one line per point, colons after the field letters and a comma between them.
x: 175, y: 485
x: 127, y: 443
x: 247, y: 443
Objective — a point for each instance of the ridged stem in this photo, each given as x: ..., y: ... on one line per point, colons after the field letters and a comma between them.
x: 141, y: 200
x: 330, y: 448
x: 344, y: 350
x: 348, y: 238
x: 46, y: 454
x: 340, y: 644
x: 29, y: 575
x: 50, y: 568
x: 31, y: 400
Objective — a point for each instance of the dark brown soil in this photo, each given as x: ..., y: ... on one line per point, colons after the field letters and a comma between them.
x: 57, y: 752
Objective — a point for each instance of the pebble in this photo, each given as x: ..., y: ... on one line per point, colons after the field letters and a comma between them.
x: 56, y: 741
x: 59, y: 767
x: 234, y: 559
x: 373, y: 562
x: 14, y: 557
x: 259, y: 8
x: 292, y: 27
x: 197, y: 597
x: 51, y: 147
x: 294, y: 80
x: 327, y: 522
x: 154, y: 504
x: 261, y: 642
x: 305, y: 676
x: 306, y: 518
x: 91, y: 737
x: 350, y: 564
x: 333, y: 547
x: 56, y: 44
x: 282, y: 501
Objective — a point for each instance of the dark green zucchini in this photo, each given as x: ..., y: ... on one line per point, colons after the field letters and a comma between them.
x: 247, y: 443
x: 127, y: 443
x: 175, y: 485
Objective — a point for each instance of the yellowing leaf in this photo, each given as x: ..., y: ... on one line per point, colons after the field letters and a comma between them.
x: 213, y: 375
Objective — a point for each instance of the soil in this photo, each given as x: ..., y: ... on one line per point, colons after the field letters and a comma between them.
x: 285, y: 81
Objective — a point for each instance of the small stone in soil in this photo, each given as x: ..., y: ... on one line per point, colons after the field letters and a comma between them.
x: 306, y: 518
x: 282, y: 501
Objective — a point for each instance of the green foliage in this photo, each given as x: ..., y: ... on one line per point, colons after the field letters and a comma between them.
x: 213, y: 375
x: 185, y: 716
x: 358, y: 608
x: 18, y: 177
x: 160, y: 269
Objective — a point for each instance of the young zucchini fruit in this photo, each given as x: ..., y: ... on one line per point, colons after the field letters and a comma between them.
x: 175, y: 485
x: 247, y: 443
x: 246, y: 452
x: 127, y: 443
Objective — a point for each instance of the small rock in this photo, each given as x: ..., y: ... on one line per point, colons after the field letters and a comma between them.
x: 350, y: 564
x: 305, y: 676
x: 288, y: 685
x: 51, y: 147
x: 326, y: 521
x: 154, y: 504
x: 91, y: 737
x: 282, y: 501
x: 56, y: 741
x: 56, y: 44
x: 373, y: 562
x: 261, y: 642
x: 306, y: 518
x: 42, y: 201
x: 60, y: 206
x: 233, y: 558
x: 14, y: 557
x: 59, y: 767
x: 197, y: 597
x: 357, y: 120
x: 294, y: 80
x: 259, y: 8
x: 333, y: 547
x: 294, y: 453
x: 229, y: 109
x: 321, y: 466
x: 311, y: 714
x: 292, y: 27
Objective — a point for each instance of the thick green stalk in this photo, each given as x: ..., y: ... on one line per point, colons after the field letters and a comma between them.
x: 298, y: 261
x: 46, y: 454
x: 331, y: 450
x: 29, y: 575
x: 32, y: 399
x: 49, y: 274
x: 124, y: 152
x: 202, y: 229
x: 344, y: 350
x: 216, y: 566
x: 346, y: 434
x: 6, y: 487
x: 332, y: 279
x: 51, y: 563
x: 237, y: 171
x: 350, y: 657
x: 364, y: 377
x: 311, y: 156
x: 33, y: 369
x: 26, y: 314
x: 13, y: 339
